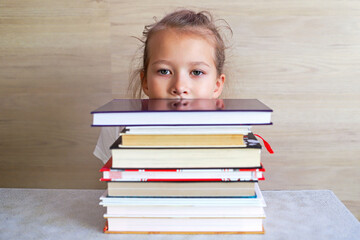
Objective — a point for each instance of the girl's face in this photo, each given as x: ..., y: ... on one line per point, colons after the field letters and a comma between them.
x: 181, y: 65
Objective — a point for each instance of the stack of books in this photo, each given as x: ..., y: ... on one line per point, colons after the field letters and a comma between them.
x: 184, y: 166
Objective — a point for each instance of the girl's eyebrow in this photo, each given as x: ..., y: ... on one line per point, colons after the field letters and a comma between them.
x: 200, y: 63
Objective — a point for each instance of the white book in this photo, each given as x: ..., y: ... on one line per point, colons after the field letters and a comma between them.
x: 183, y: 211
x: 185, y: 224
x: 171, y: 130
x: 168, y: 112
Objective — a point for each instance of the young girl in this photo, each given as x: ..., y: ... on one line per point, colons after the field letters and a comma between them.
x: 183, y: 57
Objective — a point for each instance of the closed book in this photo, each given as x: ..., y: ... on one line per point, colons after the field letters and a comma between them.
x: 172, y: 112
x: 214, y: 157
x: 236, y: 201
x: 173, y: 130
x: 181, y: 189
x: 225, y: 174
x: 184, y: 225
x: 185, y: 211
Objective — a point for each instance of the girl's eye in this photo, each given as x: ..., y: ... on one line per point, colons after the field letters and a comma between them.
x: 164, y: 72
x: 196, y: 72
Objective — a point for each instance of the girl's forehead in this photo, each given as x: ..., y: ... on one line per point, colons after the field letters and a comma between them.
x: 169, y: 43
x: 187, y: 33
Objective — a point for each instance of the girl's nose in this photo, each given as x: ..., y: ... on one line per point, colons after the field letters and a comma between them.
x: 180, y: 86
x: 179, y: 91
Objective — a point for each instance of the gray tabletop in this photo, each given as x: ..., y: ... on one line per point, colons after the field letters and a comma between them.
x: 76, y: 214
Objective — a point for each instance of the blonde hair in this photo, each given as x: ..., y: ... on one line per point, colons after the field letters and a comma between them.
x: 201, y: 23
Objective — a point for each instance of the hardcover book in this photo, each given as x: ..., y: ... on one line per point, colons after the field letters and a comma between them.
x: 214, y: 157
x: 173, y: 225
x: 167, y: 112
x: 185, y: 211
x: 181, y: 189
x: 225, y: 174
x: 256, y: 201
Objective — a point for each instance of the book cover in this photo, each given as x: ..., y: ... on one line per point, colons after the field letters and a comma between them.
x: 214, y: 157
x: 226, y: 174
x: 165, y: 112
x: 185, y: 225
x: 257, y: 201
x: 185, y: 211
x: 182, y: 189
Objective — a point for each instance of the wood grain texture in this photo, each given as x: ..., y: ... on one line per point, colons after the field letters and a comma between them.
x: 54, y: 69
x: 60, y: 60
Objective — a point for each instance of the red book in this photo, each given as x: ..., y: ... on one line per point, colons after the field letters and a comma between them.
x: 230, y: 174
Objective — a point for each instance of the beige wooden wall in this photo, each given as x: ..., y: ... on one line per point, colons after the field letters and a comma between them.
x: 61, y: 59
